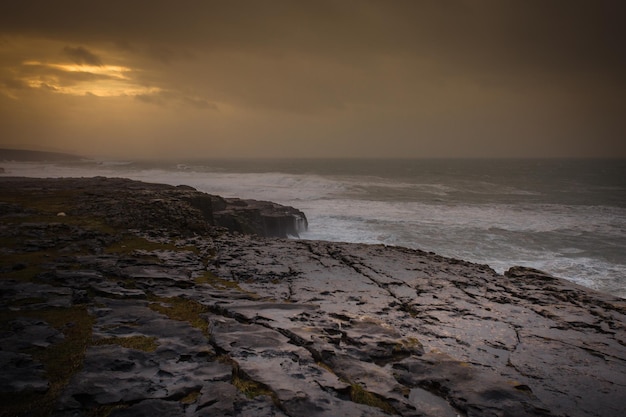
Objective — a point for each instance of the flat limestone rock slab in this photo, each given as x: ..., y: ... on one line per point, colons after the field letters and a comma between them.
x: 20, y: 372
x: 199, y: 322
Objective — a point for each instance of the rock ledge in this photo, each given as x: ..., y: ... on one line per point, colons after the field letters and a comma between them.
x: 138, y: 302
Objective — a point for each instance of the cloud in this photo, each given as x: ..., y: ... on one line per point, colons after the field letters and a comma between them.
x: 164, y: 98
x: 200, y: 103
x: 63, y: 75
x: 82, y: 56
x: 425, y: 75
x: 77, y: 79
x: 167, y: 55
x: 15, y: 84
x: 516, y: 34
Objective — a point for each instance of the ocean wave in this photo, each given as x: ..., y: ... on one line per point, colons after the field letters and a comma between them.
x: 575, y: 232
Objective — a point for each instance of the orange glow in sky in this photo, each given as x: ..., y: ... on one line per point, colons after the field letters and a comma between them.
x: 346, y: 78
x: 114, y: 80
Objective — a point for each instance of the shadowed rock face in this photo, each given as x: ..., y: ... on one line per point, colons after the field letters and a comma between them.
x: 262, y: 218
x: 184, y: 318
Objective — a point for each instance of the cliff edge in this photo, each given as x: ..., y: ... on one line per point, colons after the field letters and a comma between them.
x: 120, y: 298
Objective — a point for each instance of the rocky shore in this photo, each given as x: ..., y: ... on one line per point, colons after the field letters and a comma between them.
x: 121, y: 298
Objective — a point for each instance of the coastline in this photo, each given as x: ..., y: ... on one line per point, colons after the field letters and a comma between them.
x: 342, y: 329
x: 581, y: 237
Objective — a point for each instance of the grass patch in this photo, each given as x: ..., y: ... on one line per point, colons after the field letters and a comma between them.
x: 408, y: 345
x: 8, y: 242
x: 245, y: 384
x: 23, y: 263
x: 189, y: 248
x: 181, y: 309
x: 359, y: 395
x: 250, y: 388
x: 208, y: 278
x: 60, y: 360
x: 190, y: 398
x: 43, y: 206
x: 26, y: 274
x: 89, y: 223
x: 44, y: 209
x: 143, y: 343
x: 220, y: 283
x: 325, y: 367
x: 51, y: 202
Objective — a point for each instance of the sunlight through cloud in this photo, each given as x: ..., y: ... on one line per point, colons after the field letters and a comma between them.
x: 80, y: 79
x: 113, y: 71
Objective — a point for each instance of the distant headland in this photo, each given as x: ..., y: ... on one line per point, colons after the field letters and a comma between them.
x: 25, y: 155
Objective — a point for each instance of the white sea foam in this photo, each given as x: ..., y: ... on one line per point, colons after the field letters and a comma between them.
x: 500, y: 224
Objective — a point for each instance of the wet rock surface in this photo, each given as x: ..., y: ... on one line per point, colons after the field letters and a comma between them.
x: 132, y: 308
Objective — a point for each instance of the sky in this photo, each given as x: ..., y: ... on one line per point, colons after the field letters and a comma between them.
x: 319, y: 78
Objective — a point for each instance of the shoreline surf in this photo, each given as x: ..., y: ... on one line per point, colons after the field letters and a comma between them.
x: 568, y: 220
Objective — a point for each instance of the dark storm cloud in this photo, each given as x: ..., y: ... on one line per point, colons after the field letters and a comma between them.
x: 491, y: 42
x: 80, y: 55
x: 152, y: 98
x: 164, y: 98
x: 14, y: 84
x: 436, y: 77
x: 199, y: 103
x: 565, y: 33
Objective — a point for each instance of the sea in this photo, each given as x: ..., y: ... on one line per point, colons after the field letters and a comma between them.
x: 566, y: 217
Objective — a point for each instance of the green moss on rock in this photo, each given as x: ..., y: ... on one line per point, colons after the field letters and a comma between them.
x: 181, y: 309
x: 359, y: 395
x: 143, y: 343
x: 60, y: 360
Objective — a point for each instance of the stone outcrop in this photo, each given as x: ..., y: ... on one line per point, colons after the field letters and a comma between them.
x: 262, y: 218
x: 110, y: 311
x: 144, y: 206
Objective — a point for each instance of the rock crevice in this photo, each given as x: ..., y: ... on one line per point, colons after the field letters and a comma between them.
x: 164, y: 312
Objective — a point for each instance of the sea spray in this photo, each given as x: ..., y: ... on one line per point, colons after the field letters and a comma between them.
x: 567, y: 217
